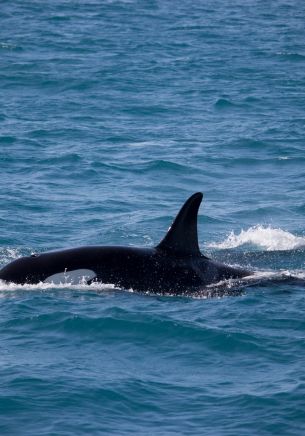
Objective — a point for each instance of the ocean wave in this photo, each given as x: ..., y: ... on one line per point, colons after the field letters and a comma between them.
x: 7, y: 139
x: 264, y: 237
x: 292, y: 56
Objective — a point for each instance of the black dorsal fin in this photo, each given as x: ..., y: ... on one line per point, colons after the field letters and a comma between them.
x: 182, y: 236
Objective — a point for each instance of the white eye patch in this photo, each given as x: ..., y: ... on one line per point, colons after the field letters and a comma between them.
x: 76, y: 277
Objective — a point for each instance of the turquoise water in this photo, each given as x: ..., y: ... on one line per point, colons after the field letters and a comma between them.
x: 111, y: 114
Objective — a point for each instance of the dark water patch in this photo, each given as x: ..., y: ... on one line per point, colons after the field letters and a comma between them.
x: 67, y: 158
x: 120, y: 139
x: 81, y: 85
x: 40, y: 133
x: 300, y: 209
x: 252, y: 99
x: 149, y: 110
x: 223, y: 103
x: 294, y: 57
x: 163, y: 165
x: 59, y: 18
x: 7, y: 139
x: 250, y: 143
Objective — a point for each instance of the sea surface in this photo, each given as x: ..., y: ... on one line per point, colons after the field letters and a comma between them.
x: 112, y: 113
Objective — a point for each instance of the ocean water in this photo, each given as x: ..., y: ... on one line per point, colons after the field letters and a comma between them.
x: 111, y: 114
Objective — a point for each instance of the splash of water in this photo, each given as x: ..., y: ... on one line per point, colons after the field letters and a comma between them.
x: 96, y: 286
x: 266, y: 238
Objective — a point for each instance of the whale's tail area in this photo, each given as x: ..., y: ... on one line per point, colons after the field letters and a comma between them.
x: 182, y: 236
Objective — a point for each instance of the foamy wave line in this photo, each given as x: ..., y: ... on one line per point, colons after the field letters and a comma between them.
x: 96, y: 286
x: 268, y: 238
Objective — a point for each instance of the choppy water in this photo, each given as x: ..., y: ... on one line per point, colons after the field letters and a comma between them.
x: 111, y: 114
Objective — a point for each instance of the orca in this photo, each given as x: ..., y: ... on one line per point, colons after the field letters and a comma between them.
x: 174, y: 266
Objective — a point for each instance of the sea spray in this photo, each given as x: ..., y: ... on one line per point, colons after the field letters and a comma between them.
x: 266, y: 238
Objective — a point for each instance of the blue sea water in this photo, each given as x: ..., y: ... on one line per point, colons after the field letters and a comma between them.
x: 111, y: 114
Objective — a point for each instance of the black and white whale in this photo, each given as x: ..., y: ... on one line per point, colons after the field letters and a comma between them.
x: 175, y: 265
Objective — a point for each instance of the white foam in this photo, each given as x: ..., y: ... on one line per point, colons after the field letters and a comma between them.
x: 267, y: 238
x: 9, y: 254
x: 41, y: 286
